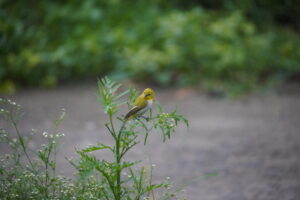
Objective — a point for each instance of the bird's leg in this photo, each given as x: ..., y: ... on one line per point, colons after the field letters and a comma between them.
x: 146, y: 118
x: 150, y: 114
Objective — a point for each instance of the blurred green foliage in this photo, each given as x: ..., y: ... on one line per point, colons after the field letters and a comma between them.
x: 234, y: 44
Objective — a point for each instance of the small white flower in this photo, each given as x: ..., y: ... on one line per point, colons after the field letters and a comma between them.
x: 153, y: 165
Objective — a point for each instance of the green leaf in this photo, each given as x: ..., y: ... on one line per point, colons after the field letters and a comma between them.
x: 96, y: 148
x: 121, y: 95
x: 115, y: 88
x: 128, y: 164
x: 154, y: 186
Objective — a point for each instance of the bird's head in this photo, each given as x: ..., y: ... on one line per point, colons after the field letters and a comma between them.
x: 148, y: 94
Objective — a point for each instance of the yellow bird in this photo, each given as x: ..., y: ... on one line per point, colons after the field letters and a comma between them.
x: 141, y: 104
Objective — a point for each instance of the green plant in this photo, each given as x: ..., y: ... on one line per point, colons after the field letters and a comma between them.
x: 34, y: 178
x: 138, y: 184
x: 222, y: 48
x: 31, y: 174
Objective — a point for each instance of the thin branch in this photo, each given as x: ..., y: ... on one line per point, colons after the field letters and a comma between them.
x: 111, y: 132
x: 22, y: 144
x: 123, y: 153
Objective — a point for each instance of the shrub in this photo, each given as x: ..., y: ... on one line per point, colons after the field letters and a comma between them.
x: 54, y: 41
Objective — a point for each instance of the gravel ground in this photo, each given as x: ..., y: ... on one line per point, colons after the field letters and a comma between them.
x: 252, y: 143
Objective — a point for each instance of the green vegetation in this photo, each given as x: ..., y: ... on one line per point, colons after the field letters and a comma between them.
x: 219, y: 44
x: 115, y: 179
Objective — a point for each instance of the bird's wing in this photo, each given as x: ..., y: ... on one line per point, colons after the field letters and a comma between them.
x: 139, y: 105
x: 133, y: 111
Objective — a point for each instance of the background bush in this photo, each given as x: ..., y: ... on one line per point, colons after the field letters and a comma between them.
x: 238, y: 44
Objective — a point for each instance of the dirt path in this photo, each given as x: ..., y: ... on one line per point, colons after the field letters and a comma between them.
x: 252, y: 143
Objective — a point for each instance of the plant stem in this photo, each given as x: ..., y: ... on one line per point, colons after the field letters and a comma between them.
x: 112, y: 124
x: 22, y: 144
x: 118, y: 161
x: 46, y: 168
x: 118, y: 157
x: 21, y: 141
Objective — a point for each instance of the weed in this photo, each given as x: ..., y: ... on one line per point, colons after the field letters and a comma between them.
x: 27, y: 174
